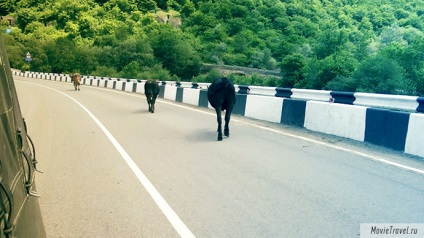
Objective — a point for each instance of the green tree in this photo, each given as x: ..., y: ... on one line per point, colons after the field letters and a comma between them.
x: 61, y: 55
x: 7, y: 6
x: 236, y: 59
x: 106, y: 56
x: 330, y: 41
x: 163, y: 4
x: 410, y: 58
x: 40, y: 62
x: 157, y: 72
x: 133, y: 50
x: 175, y: 52
x: 15, y: 52
x: 103, y: 71
x: 86, y: 61
x: 66, y: 11
x: 304, y: 27
x: 317, y: 73
x: 216, y: 55
x: 26, y: 16
x: 126, y: 6
x: 199, y: 22
x: 341, y: 83
x: 188, y: 8
x: 292, y: 70
x: 88, y: 26
x: 379, y: 74
x: 131, y: 70
x: 146, y: 5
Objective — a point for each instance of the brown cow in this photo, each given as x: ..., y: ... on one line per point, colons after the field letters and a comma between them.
x: 76, y: 78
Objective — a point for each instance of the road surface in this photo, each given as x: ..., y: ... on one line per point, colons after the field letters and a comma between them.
x: 112, y: 169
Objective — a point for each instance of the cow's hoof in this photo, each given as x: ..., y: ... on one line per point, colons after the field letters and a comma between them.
x: 219, y: 138
x: 152, y: 111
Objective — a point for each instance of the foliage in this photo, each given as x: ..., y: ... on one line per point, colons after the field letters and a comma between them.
x: 209, y: 77
x: 292, y: 69
x: 104, y: 71
x: 174, y: 50
x: 381, y: 75
x: 340, y: 83
x: 338, y: 45
x: 255, y: 80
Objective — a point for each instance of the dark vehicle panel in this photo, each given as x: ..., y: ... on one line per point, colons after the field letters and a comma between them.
x: 20, y: 214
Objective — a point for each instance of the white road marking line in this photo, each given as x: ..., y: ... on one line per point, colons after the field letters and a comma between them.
x: 376, y: 158
x: 170, y: 214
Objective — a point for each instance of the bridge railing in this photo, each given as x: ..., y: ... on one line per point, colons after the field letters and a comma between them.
x: 395, y: 102
x: 393, y: 121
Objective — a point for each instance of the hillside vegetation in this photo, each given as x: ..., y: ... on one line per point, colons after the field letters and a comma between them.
x: 350, y: 45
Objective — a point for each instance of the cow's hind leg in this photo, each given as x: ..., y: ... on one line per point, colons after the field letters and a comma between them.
x: 227, y: 122
x: 153, y: 105
x: 219, y: 119
x: 149, y: 104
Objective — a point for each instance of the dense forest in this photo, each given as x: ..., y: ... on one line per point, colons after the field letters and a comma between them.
x: 349, y: 45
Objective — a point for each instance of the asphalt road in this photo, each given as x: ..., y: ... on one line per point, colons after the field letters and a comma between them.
x: 112, y: 169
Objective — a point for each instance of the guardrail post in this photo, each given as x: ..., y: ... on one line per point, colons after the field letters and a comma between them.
x: 283, y: 92
x: 243, y: 89
x: 343, y: 97
x: 420, y: 107
x: 203, y: 98
x: 162, y: 89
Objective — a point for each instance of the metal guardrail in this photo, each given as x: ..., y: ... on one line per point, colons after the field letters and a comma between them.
x: 394, y: 102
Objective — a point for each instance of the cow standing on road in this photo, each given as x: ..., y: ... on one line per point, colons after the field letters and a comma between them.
x: 151, y: 90
x: 222, y: 96
x: 76, y: 78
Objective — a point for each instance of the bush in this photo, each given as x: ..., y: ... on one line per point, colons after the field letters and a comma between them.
x: 379, y: 74
x: 212, y: 75
x: 157, y: 72
x: 291, y: 69
x: 103, y: 71
x: 272, y: 82
x: 340, y: 83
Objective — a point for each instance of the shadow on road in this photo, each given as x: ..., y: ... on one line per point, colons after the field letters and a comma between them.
x: 203, y: 135
x: 142, y: 111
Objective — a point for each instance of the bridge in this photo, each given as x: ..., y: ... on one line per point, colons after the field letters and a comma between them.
x: 229, y: 69
x: 113, y: 169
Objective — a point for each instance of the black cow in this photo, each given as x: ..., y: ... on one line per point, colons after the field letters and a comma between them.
x: 222, y: 96
x: 151, y: 90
